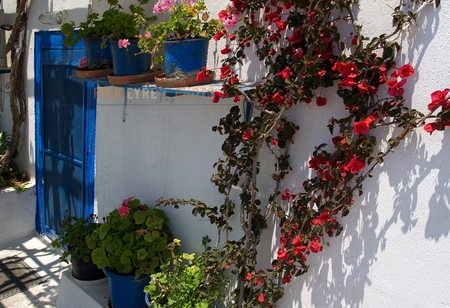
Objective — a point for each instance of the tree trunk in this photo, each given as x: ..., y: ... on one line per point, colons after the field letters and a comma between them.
x: 17, y: 44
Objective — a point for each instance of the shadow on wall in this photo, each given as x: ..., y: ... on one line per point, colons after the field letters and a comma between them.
x: 338, y: 276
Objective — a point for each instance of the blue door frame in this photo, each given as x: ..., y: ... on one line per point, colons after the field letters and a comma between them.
x: 65, y: 134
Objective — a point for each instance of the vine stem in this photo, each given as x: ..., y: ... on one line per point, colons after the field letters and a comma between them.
x: 393, y: 145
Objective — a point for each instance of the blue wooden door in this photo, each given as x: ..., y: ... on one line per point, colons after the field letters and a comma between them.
x: 65, y: 131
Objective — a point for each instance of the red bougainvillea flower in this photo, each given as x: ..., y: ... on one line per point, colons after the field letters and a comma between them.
x: 348, y: 82
x: 406, y: 71
x: 260, y: 298
x: 248, y: 134
x: 248, y: 276
x: 354, y: 166
x: 299, y: 250
x: 438, y: 98
x: 218, y: 95
x: 346, y: 69
x: 395, y: 87
x: 281, y: 25
x: 225, y: 71
x: 295, y: 38
x: 124, y: 210
x: 226, y: 50
x: 364, y: 88
x: 219, y: 35
x: 361, y: 128
x: 203, y: 74
x: 431, y: 127
x: 282, y: 254
x: 321, y: 101
x: 278, y: 98
x: 286, y: 195
x: 297, y: 241
x: 321, y: 219
x: 286, y: 73
x: 286, y: 279
x: 315, y: 245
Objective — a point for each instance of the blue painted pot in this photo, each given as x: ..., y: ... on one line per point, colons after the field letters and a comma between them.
x: 126, y: 291
x: 185, y: 58
x: 129, y: 61
x: 97, y: 58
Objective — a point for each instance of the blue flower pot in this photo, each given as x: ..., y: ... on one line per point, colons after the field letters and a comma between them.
x: 126, y: 291
x: 129, y: 61
x: 97, y: 58
x: 185, y: 58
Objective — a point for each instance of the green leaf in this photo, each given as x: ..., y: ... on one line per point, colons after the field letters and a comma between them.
x: 142, y: 254
x: 139, y: 217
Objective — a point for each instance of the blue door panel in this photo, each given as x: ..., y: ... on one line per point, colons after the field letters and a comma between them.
x: 62, y: 191
x: 63, y: 112
x: 65, y: 134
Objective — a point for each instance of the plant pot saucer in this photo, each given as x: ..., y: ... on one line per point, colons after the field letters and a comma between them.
x: 163, y: 82
x: 84, y: 72
x: 130, y: 79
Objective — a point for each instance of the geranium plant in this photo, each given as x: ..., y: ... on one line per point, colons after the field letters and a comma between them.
x: 72, y: 237
x: 188, y: 280
x: 132, y: 240
x: 188, y: 20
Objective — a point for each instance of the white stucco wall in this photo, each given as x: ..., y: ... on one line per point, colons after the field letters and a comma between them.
x: 394, y: 249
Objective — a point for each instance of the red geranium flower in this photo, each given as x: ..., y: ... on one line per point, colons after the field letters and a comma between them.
x: 124, y: 210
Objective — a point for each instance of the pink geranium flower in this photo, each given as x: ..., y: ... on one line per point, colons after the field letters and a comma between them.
x: 163, y: 6
x: 123, y: 43
x: 82, y: 62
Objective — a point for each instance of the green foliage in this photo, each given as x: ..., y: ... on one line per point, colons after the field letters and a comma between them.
x: 185, y: 22
x: 188, y: 281
x: 10, y: 176
x: 114, y: 24
x: 72, y: 237
x: 133, y: 239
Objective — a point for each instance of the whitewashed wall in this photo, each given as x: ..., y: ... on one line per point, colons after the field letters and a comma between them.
x: 395, y: 246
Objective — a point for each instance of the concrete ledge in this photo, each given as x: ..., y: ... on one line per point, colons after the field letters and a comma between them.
x: 18, y: 213
x: 80, y: 294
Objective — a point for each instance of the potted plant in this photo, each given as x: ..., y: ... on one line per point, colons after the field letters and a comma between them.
x: 184, y: 37
x: 93, y: 31
x: 130, y: 245
x: 97, y: 32
x: 187, y: 281
x: 72, y: 240
x: 123, y: 35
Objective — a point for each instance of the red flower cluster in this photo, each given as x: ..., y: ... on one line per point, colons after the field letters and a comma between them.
x: 363, y: 127
x: 203, y: 74
x: 439, y: 99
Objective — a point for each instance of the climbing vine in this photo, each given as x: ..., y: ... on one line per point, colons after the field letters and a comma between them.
x: 306, y: 47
